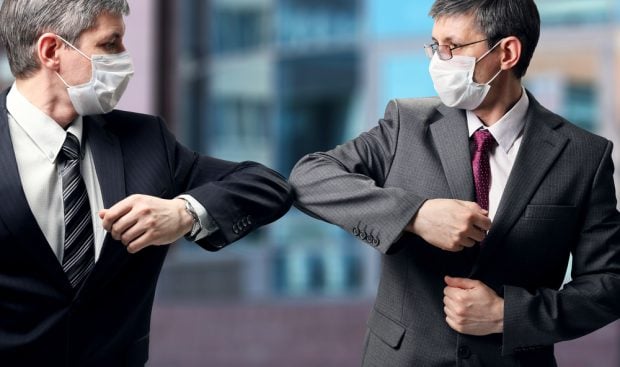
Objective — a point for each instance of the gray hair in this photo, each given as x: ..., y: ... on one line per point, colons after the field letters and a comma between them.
x: 23, y: 22
x: 498, y: 19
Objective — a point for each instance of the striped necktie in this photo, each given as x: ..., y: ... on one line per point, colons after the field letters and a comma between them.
x: 79, y: 250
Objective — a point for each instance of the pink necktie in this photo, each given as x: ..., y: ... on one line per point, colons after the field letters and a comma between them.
x: 483, y: 141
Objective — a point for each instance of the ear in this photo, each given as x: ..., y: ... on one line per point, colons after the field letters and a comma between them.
x: 48, y: 48
x: 510, y: 52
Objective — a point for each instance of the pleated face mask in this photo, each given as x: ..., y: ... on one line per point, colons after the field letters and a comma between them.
x: 454, y: 81
x: 110, y: 77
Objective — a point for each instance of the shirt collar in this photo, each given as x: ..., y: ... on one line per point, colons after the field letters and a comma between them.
x: 508, y: 128
x: 44, y: 132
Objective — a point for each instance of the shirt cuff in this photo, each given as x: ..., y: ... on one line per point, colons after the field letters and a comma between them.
x: 208, y: 226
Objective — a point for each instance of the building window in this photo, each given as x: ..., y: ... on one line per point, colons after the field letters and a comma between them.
x: 240, y: 28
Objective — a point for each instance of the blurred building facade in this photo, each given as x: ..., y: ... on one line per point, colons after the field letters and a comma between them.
x: 272, y: 80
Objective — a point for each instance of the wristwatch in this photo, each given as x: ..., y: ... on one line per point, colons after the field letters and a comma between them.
x: 196, y: 226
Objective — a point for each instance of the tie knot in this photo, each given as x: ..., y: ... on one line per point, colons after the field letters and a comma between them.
x: 70, y: 148
x: 483, y: 139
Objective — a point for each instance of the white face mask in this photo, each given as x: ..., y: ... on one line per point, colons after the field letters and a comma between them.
x: 111, y: 74
x: 454, y: 81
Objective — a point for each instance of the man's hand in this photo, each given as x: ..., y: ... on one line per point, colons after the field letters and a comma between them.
x: 473, y: 308
x: 450, y: 225
x: 140, y: 221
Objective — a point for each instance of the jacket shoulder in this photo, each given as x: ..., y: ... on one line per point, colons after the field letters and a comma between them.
x: 130, y: 123
x: 428, y: 103
x: 573, y: 132
x: 126, y: 117
x: 420, y: 109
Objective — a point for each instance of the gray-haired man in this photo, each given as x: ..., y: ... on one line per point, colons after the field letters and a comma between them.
x: 476, y: 200
x: 87, y: 191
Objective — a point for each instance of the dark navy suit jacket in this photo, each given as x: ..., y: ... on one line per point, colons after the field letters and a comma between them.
x: 43, y: 321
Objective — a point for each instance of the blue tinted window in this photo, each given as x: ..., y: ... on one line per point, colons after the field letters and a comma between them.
x: 302, y: 21
x: 405, y: 75
x: 562, y: 12
x: 389, y: 18
x: 580, y: 104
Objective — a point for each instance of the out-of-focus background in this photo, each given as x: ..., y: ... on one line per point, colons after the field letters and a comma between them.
x: 272, y: 80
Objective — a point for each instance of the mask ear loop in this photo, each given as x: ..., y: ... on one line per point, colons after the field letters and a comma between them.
x: 76, y: 49
x: 73, y: 47
x: 493, y: 78
x: 489, y: 51
x: 63, y: 80
x: 485, y: 55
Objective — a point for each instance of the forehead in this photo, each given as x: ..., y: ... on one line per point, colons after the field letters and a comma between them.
x: 106, y: 25
x: 456, y: 28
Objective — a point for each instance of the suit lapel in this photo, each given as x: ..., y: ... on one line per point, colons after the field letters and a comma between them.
x: 451, y: 139
x: 108, y: 158
x: 539, y: 149
x: 16, y: 212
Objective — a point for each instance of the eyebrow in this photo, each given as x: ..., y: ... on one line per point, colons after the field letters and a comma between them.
x: 116, y: 35
x: 112, y: 36
x: 448, y: 40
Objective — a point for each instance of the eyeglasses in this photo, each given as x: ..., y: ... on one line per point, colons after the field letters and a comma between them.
x: 444, y: 51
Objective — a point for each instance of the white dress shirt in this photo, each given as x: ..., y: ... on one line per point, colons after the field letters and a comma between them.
x: 37, y: 140
x: 508, y: 132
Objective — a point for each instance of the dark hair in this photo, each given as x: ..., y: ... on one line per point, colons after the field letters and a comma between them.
x: 498, y: 19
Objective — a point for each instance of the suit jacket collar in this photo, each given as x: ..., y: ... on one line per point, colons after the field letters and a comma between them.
x: 16, y: 213
x: 451, y: 138
x: 542, y: 144
x: 108, y: 158
x: 540, y: 147
x: 20, y: 221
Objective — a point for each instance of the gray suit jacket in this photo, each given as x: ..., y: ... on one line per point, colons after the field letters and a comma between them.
x: 560, y: 199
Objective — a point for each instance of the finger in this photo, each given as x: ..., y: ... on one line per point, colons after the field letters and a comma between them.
x: 138, y: 244
x: 453, y: 325
x: 455, y: 248
x: 115, y: 212
x: 102, y: 213
x: 453, y: 293
x: 462, y: 283
x: 131, y: 234
x: 476, y: 234
x: 482, y: 222
x: 123, y: 225
x: 467, y: 242
x: 451, y: 314
x: 471, y: 205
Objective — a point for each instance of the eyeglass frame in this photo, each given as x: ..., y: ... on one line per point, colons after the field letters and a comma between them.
x: 434, y: 48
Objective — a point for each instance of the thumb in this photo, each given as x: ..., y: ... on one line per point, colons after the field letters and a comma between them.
x: 102, y: 213
x: 462, y: 283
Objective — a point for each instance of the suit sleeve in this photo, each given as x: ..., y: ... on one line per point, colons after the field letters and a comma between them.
x: 592, y: 299
x: 240, y: 197
x: 345, y: 186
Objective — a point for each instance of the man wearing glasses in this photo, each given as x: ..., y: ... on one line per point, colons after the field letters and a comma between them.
x: 476, y: 199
